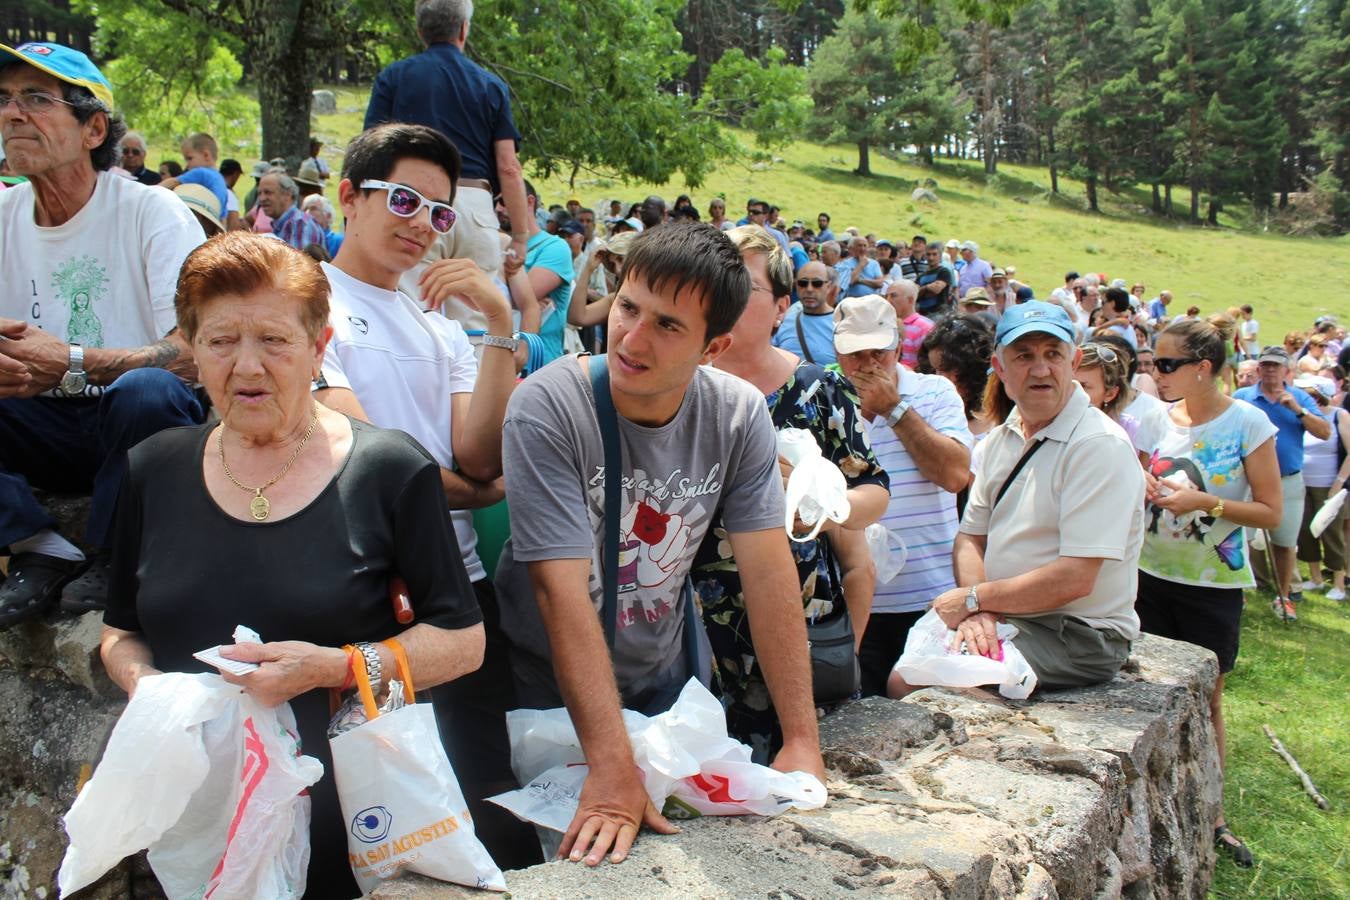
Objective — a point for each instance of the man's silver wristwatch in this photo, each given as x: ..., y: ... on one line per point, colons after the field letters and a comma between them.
x: 75, y: 379
x: 496, y: 340
x: 972, y: 600
x: 374, y: 668
x: 897, y: 412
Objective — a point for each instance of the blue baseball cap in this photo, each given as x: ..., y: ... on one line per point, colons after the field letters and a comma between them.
x: 1032, y: 316
x: 58, y: 61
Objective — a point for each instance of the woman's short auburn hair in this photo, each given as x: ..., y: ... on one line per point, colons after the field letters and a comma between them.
x: 240, y: 264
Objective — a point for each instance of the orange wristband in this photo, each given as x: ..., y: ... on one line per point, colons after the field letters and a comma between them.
x: 351, y: 671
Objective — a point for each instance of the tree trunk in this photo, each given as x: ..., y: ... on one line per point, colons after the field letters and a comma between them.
x: 1157, y: 200
x: 1212, y: 216
x: 285, y: 59
x: 988, y: 122
x: 1195, y: 200
x: 926, y: 154
x: 1054, y: 168
x: 864, y: 160
x: 1167, y: 199
x: 1091, y: 186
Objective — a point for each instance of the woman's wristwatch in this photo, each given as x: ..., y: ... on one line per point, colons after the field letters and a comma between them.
x: 374, y: 668
x: 1217, y: 511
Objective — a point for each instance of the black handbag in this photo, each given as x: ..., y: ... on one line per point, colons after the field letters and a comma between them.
x: 835, y: 672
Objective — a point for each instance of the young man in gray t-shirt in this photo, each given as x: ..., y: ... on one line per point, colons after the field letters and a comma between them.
x: 693, y: 439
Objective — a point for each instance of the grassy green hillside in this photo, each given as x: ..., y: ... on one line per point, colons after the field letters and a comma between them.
x: 1013, y: 216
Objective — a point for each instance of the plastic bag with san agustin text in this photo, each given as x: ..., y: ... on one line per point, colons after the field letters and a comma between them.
x: 816, y: 490
x: 931, y: 657
x: 690, y: 767
x: 211, y: 781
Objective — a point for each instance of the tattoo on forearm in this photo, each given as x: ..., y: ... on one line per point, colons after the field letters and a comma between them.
x: 159, y: 354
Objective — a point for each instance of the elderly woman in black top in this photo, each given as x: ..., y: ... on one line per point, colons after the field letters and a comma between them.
x: 286, y: 517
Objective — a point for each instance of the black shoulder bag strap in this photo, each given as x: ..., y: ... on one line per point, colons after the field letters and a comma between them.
x: 801, y: 337
x: 1012, y: 476
x: 608, y: 420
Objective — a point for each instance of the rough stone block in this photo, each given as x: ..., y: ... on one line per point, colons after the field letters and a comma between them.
x: 856, y: 738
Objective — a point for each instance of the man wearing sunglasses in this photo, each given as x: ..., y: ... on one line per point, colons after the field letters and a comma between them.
x: 807, y: 328
x: 935, y: 283
x: 1292, y: 411
x: 391, y: 364
x: 133, y: 159
x: 90, y: 361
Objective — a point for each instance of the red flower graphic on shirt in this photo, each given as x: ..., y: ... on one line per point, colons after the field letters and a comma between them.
x: 649, y: 526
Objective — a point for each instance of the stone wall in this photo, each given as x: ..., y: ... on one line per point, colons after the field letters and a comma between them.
x: 1101, y: 792
x: 1095, y: 793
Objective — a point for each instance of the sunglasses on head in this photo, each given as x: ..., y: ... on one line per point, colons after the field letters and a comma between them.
x: 406, y: 202
x: 1169, y: 364
x: 1101, y: 351
x: 811, y: 282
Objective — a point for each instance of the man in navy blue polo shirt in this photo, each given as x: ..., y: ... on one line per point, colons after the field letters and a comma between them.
x: 443, y: 89
x: 1292, y: 411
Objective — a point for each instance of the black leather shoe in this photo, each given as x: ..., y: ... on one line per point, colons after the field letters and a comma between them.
x: 34, y: 584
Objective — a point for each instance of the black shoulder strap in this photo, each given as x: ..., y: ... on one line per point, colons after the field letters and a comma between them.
x: 1012, y: 476
x: 608, y: 419
x: 801, y: 337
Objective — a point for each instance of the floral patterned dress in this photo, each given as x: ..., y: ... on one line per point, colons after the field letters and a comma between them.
x: 822, y: 402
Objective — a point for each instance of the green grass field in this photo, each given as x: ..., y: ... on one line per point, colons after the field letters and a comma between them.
x: 1295, y: 677
x: 1013, y: 216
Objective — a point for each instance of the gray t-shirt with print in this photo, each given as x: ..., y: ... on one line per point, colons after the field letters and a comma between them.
x: 718, y: 451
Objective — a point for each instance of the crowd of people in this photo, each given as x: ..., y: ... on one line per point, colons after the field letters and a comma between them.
x: 278, y: 421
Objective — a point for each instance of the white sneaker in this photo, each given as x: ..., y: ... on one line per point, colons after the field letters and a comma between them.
x: 1335, y: 594
x: 1313, y: 586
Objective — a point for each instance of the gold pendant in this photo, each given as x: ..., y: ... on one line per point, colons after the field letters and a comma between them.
x: 260, y: 507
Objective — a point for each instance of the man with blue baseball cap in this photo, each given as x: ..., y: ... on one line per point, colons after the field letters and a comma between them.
x: 90, y: 363
x: 1051, y: 534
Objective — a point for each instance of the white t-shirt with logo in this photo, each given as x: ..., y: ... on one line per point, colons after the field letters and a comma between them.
x: 404, y: 365
x: 107, y: 277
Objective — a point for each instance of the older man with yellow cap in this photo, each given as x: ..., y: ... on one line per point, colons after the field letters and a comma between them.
x: 89, y: 360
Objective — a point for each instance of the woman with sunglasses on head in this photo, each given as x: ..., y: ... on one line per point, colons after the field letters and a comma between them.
x: 1213, y: 475
x: 835, y: 569
x: 1102, y: 375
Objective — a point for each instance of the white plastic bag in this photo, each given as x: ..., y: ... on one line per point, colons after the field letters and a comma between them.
x: 888, y: 549
x: 816, y: 489
x: 210, y: 781
x: 401, y: 802
x: 931, y: 658
x: 1328, y: 513
x: 689, y: 765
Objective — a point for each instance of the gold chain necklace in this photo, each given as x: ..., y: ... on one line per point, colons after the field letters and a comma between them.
x: 259, y: 506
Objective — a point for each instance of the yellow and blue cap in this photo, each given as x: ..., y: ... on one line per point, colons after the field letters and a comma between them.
x: 65, y: 63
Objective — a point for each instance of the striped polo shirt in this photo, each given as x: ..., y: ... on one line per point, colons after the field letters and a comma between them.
x: 922, y: 514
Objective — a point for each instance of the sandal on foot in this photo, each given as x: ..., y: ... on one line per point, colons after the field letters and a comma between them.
x: 1226, y: 840
x: 89, y: 591
x: 34, y: 584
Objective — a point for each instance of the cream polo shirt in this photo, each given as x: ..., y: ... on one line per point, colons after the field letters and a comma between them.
x: 1081, y: 495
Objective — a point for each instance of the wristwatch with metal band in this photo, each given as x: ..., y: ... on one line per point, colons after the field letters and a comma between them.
x: 374, y: 668
x: 75, y: 379
x: 496, y: 340
x: 972, y: 600
x: 897, y: 412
